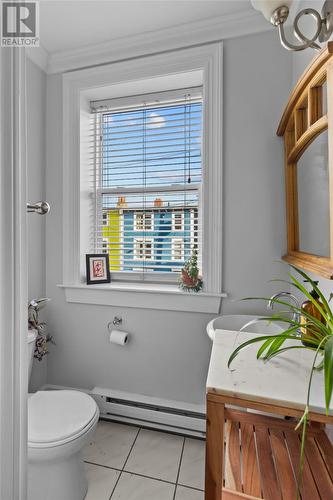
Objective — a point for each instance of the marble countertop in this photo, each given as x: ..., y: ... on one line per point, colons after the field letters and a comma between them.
x: 281, y: 381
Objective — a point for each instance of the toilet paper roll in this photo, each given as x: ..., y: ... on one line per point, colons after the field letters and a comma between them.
x: 118, y: 337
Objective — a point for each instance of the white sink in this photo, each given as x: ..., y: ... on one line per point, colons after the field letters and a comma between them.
x: 237, y: 321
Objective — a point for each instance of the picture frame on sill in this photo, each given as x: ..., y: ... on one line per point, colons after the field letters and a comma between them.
x: 98, y: 268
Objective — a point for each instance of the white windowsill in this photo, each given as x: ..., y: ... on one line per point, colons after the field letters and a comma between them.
x: 143, y: 295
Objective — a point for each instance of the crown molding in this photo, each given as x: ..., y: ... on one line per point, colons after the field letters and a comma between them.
x: 39, y: 56
x: 181, y: 36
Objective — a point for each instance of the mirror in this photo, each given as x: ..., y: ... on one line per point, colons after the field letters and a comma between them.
x: 307, y: 128
x: 313, y: 198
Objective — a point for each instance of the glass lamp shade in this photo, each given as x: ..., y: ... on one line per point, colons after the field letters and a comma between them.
x: 267, y: 7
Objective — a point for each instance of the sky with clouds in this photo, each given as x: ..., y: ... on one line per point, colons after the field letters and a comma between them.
x: 152, y: 147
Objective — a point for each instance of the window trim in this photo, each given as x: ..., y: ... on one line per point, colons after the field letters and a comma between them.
x: 76, y: 85
x: 143, y: 296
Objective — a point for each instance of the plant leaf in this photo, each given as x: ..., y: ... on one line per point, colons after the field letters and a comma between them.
x: 253, y: 341
x: 314, y: 301
x: 263, y: 348
x: 319, y: 292
x: 275, y: 346
x: 279, y: 351
x: 324, y: 330
x: 328, y: 372
x: 277, y: 342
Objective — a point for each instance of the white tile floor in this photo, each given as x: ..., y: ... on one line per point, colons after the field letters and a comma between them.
x: 130, y: 463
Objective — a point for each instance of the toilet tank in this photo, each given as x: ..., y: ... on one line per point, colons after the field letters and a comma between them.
x: 32, y: 335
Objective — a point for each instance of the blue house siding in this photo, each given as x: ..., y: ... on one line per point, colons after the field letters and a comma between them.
x: 161, y: 236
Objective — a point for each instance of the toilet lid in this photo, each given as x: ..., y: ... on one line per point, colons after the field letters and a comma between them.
x: 58, y: 415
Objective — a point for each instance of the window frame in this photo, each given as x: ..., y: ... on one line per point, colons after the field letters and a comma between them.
x: 174, y: 214
x: 78, y: 88
x: 139, y: 239
x: 105, y: 245
x: 144, y: 216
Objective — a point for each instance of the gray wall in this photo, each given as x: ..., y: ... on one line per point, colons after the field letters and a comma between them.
x: 36, y: 161
x: 257, y: 76
x: 169, y: 352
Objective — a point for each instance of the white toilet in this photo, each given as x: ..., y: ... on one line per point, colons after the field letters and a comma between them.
x: 60, y: 423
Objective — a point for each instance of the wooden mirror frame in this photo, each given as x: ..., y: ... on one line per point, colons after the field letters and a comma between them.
x: 302, y: 121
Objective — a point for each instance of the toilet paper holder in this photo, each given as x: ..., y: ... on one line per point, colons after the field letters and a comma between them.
x: 117, y: 321
x: 117, y: 336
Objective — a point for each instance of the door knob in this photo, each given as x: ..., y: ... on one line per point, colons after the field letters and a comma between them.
x: 40, y: 207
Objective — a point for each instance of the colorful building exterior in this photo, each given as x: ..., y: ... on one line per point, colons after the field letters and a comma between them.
x: 111, y: 234
x: 158, y: 239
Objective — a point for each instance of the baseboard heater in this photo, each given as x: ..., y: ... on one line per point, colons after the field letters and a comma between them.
x: 171, y: 416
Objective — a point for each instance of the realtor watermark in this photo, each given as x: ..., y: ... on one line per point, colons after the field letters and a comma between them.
x: 19, y: 24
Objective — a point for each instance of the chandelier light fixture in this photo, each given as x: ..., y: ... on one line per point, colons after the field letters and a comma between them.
x: 277, y: 12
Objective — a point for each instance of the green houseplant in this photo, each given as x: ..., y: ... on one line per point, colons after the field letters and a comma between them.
x: 34, y: 323
x: 190, y: 281
x: 320, y: 341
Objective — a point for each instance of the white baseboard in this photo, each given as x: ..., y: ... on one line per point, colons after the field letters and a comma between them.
x: 145, y: 411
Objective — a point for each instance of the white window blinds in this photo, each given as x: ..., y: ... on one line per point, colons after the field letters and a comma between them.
x: 147, y: 176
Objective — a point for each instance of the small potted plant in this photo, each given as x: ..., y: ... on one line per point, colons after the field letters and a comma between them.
x: 34, y: 323
x: 320, y: 341
x: 190, y: 280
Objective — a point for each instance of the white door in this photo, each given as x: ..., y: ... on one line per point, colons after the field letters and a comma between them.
x: 13, y: 277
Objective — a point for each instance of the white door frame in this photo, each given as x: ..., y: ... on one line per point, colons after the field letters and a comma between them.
x: 13, y: 276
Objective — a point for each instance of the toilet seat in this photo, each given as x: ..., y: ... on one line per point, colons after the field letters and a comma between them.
x: 58, y: 417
